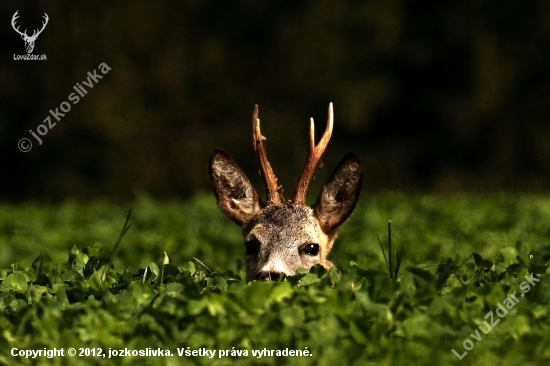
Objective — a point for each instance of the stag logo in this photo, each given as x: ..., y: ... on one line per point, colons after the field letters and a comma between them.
x: 29, y: 40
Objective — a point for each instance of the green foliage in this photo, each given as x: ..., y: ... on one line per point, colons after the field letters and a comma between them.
x: 357, y: 315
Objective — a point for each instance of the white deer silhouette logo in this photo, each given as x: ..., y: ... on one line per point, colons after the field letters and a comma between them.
x: 29, y: 41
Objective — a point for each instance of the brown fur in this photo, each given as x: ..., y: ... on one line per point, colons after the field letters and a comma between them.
x: 283, y: 232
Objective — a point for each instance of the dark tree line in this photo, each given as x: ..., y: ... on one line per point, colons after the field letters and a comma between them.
x: 434, y: 96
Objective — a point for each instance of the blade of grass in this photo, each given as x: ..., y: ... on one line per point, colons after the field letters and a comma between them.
x: 399, y: 256
x: 115, y: 247
x: 145, y: 274
x: 389, y: 250
x: 393, y: 260
x: 383, y: 252
x: 165, y: 261
x: 203, y: 265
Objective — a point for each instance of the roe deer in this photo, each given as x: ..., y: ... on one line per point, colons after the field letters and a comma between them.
x: 281, y: 237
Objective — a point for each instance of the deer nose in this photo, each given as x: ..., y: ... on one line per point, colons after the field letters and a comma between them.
x: 270, y: 276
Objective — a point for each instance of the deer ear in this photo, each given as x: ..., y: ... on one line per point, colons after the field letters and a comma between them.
x: 339, y: 194
x: 236, y: 197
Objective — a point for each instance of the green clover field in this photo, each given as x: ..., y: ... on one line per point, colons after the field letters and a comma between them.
x: 163, y: 284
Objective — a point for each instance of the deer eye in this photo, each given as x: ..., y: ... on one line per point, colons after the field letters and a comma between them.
x: 252, y: 247
x: 311, y: 249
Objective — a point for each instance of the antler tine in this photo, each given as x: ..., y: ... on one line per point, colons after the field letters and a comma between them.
x: 314, y: 156
x: 270, y: 180
x: 13, y: 20
x: 46, y: 18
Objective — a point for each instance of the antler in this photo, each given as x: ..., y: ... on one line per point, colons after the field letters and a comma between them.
x: 13, y: 19
x: 43, y: 26
x: 270, y: 180
x: 314, y: 156
x: 24, y: 34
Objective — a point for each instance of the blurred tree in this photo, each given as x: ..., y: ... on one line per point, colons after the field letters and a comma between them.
x: 443, y: 96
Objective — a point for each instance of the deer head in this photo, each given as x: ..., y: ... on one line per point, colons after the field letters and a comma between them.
x: 281, y: 237
x: 29, y: 41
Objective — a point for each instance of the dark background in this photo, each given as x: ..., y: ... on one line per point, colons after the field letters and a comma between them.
x: 439, y: 96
